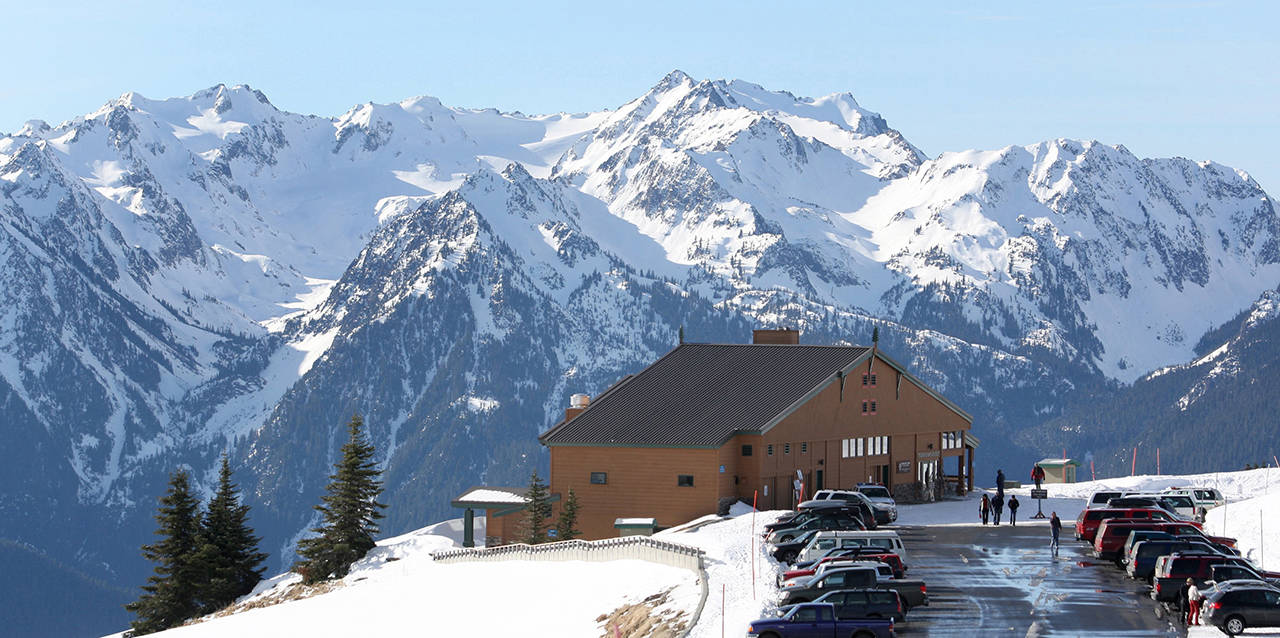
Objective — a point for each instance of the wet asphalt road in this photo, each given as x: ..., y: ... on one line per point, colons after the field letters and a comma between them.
x: 1003, y: 581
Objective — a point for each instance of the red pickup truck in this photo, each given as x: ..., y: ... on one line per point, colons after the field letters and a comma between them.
x: 1088, y: 521
x: 1112, y: 533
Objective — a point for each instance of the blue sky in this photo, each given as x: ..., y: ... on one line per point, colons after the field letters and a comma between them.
x: 1191, y: 79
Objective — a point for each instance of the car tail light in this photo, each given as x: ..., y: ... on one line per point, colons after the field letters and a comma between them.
x: 1216, y: 605
x: 922, y: 589
x: 1158, y: 588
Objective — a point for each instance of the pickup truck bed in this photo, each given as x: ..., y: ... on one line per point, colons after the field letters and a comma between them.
x: 818, y: 620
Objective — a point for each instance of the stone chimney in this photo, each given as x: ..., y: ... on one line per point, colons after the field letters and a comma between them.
x: 778, y: 336
x: 577, y: 405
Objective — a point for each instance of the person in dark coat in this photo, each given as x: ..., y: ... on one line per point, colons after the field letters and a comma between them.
x: 997, y: 505
x: 1013, y: 509
x: 984, y: 508
x: 1055, y: 530
x: 1000, y: 486
x: 1183, y: 606
x: 1037, y: 475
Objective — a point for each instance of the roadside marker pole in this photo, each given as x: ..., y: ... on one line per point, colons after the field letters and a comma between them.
x: 1133, y: 468
x: 1157, y: 461
x: 722, y: 586
x: 1092, y: 476
x: 754, y: 499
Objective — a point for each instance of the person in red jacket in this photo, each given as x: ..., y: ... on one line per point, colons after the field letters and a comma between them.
x: 1037, y: 475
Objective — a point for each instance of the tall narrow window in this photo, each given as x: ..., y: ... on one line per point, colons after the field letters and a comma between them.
x: 786, y: 448
x: 804, y: 448
x: 864, y: 379
x: 873, y: 380
x: 844, y: 448
x: 768, y: 450
x: 861, y: 446
x: 864, y: 407
x: 873, y: 407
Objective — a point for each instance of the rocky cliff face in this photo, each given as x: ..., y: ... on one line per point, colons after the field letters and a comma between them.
x: 187, y: 276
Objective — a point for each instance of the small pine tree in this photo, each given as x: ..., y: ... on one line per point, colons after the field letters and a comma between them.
x: 567, y: 524
x: 350, y: 509
x: 170, y: 594
x: 533, y: 528
x: 228, y: 556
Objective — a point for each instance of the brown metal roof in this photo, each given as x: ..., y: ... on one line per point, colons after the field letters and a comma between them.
x: 699, y: 395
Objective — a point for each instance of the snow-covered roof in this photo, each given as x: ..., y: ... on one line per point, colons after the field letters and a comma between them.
x: 1058, y: 462
x: 635, y: 522
x: 492, y: 495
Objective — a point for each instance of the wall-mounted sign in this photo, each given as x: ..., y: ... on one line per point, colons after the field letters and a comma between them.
x: 904, y: 467
x: 722, y: 469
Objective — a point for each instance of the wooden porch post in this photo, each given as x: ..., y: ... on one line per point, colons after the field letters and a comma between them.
x: 969, y: 478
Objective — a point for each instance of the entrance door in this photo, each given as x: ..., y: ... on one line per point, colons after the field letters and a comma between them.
x: 817, y: 480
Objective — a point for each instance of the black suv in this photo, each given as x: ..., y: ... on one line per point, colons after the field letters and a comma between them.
x: 865, y: 603
x: 1232, y: 610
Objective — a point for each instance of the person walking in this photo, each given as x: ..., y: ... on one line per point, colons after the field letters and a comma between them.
x: 1183, y: 597
x: 1037, y: 475
x: 1013, y: 509
x: 984, y: 508
x: 1000, y: 485
x: 1193, y: 603
x: 1055, y: 530
x: 997, y: 505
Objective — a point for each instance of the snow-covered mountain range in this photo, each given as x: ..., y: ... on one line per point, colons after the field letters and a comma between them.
x: 186, y: 276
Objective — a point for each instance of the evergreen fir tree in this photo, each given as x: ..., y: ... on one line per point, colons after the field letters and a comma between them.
x: 350, y: 509
x: 567, y: 524
x: 228, y: 556
x: 533, y: 528
x: 170, y: 594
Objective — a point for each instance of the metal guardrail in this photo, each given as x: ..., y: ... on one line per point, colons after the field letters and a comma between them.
x: 627, y: 547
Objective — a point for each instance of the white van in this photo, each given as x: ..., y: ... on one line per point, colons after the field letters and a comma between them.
x: 824, y: 541
x: 1205, y: 498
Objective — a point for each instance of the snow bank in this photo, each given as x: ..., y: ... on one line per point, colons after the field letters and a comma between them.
x: 1234, y: 486
x: 1248, y: 521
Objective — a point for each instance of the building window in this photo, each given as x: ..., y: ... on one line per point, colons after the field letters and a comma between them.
x: 864, y: 407
x: 746, y: 450
x: 599, y: 478
x: 861, y: 448
x: 769, y: 450
x: 786, y: 448
x: 873, y: 407
x: 804, y: 447
x: 873, y: 380
x: 684, y: 480
x: 864, y: 380
x: 844, y: 448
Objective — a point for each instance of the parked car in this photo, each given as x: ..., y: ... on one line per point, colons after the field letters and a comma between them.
x: 1205, y: 498
x: 1140, y: 563
x: 855, y: 553
x: 787, y: 552
x: 825, y: 541
x: 1137, y: 536
x: 1228, y: 573
x: 913, y: 592
x: 883, y: 572
x: 1113, y: 533
x: 1232, y: 610
x: 865, y: 603
x: 886, y: 509
x: 798, y: 518
x: 1088, y: 521
x: 823, y: 499
x: 818, y: 620
x: 834, y: 521
x: 1099, y: 499
x: 1172, y: 503
x: 1173, y: 570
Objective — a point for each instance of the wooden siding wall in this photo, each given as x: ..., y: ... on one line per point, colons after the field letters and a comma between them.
x: 913, y: 420
x: 641, y: 484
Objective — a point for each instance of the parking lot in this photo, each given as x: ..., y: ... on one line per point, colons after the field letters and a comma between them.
x: 1003, y: 581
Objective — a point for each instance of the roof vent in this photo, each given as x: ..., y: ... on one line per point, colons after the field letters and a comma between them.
x: 579, y: 400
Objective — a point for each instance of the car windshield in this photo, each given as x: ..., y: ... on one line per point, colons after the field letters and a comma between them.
x: 1178, y: 501
x: 1103, y: 497
x: 875, y: 492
